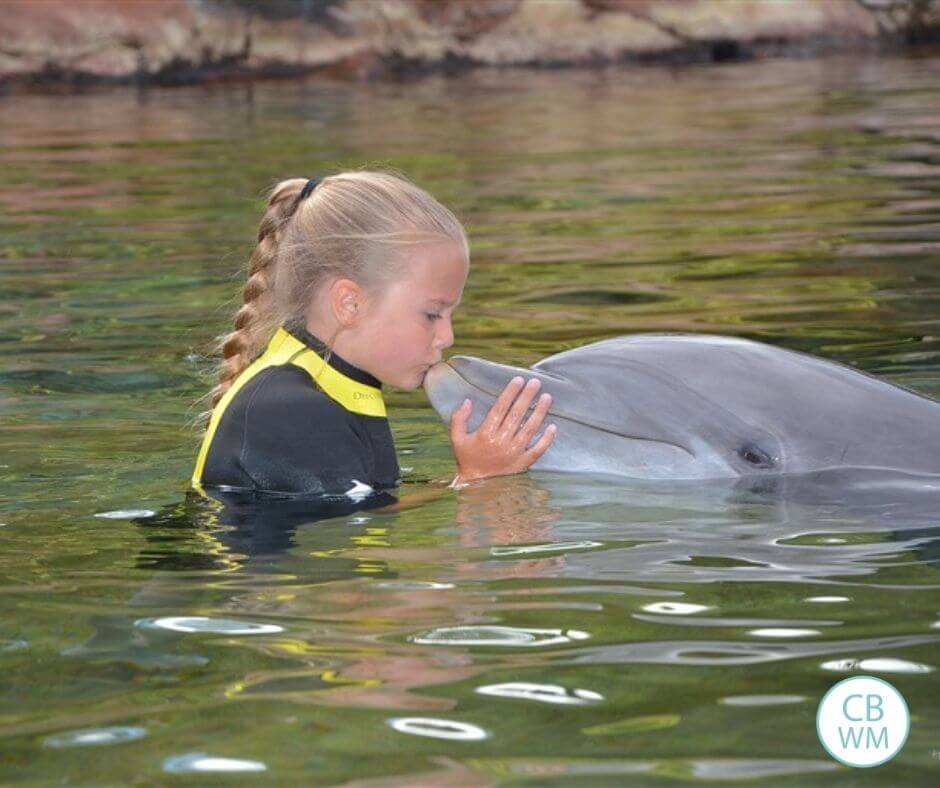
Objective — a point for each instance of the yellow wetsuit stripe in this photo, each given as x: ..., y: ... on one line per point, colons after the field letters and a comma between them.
x: 286, y: 349
x: 351, y: 394
x: 277, y: 352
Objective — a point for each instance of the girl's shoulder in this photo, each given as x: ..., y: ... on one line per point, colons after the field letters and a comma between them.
x: 287, y: 393
x: 281, y: 433
x: 287, y: 435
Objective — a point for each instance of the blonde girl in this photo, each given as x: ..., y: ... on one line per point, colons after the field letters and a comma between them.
x: 352, y: 286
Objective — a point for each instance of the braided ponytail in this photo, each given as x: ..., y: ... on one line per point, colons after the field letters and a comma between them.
x: 258, y: 316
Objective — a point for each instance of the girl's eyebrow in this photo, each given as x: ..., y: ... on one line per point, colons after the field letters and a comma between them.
x: 442, y: 302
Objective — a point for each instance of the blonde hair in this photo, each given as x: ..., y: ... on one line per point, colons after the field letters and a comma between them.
x: 352, y: 225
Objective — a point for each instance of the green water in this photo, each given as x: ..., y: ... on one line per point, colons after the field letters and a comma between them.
x: 792, y: 202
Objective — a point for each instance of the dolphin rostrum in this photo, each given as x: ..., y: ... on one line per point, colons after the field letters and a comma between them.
x: 664, y: 406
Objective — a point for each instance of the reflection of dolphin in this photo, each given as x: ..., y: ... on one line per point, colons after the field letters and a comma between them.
x: 686, y: 407
x: 797, y: 529
x: 667, y: 555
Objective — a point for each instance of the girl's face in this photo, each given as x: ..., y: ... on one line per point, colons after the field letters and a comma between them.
x: 403, y: 330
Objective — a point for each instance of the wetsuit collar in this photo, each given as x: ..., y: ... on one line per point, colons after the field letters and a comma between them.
x: 353, y: 388
x: 299, y: 330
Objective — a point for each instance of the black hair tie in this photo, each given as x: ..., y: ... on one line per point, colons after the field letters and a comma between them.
x: 309, y: 186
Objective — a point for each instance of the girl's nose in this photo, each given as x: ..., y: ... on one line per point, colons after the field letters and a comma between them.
x: 445, y: 335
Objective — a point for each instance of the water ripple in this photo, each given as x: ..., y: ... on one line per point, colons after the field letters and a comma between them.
x: 126, y: 514
x: 95, y: 737
x: 761, y: 700
x: 724, y: 652
x: 543, y: 693
x: 438, y: 729
x: 513, y: 637
x: 675, y: 608
x: 200, y: 762
x: 535, y: 549
x: 877, y: 665
x: 203, y: 624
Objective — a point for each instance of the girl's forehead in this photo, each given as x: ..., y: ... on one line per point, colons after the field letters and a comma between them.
x: 439, y: 254
x: 427, y: 293
x: 441, y: 272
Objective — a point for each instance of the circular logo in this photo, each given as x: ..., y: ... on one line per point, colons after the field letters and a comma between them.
x: 863, y: 721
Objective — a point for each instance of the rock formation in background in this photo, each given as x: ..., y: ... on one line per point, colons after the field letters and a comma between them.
x: 62, y: 42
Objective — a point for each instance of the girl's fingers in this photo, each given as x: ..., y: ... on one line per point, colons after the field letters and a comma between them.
x: 459, y: 419
x: 542, y: 444
x: 536, y: 417
x: 521, y: 405
x: 501, y: 407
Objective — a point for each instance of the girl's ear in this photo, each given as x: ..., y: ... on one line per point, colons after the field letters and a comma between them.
x: 346, y: 300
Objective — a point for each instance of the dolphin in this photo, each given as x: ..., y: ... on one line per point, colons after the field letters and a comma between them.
x: 676, y: 406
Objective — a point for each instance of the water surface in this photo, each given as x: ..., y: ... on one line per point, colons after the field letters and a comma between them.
x: 554, y: 630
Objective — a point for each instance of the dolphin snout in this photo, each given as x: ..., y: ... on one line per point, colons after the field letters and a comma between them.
x: 458, y: 363
x: 450, y: 373
x: 434, y: 376
x: 445, y: 388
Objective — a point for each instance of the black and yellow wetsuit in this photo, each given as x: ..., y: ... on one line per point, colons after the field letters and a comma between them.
x: 299, y: 420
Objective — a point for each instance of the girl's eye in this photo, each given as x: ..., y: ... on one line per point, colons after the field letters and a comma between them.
x: 432, y: 316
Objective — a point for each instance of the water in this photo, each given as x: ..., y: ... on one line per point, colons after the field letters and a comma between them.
x: 551, y: 630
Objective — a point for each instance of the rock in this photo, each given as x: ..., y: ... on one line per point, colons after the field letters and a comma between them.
x: 181, y: 41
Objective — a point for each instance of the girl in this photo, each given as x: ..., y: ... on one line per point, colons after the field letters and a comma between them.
x: 353, y: 284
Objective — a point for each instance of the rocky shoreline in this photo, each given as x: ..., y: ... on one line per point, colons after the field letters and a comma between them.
x: 62, y: 45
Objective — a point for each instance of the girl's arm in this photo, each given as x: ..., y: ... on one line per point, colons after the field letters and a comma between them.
x: 498, y: 447
x: 425, y: 494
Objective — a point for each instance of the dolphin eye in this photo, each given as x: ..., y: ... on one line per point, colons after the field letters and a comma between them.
x: 754, y: 455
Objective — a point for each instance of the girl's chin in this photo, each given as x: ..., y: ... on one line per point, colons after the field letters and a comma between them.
x: 405, y: 381
x: 409, y: 384
x: 419, y: 380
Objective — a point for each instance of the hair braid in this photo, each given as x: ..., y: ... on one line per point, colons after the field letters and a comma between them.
x: 256, y: 317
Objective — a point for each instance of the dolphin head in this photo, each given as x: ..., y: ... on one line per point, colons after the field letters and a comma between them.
x: 449, y: 383
x: 598, y: 430
x: 695, y: 407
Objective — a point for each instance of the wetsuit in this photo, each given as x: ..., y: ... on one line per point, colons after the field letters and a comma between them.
x: 299, y: 420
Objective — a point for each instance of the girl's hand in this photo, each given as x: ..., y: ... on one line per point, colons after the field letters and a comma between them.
x: 500, y: 445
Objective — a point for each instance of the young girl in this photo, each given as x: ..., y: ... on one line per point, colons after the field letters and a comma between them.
x: 353, y: 284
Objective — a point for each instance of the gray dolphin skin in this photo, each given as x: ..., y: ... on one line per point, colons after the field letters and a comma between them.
x: 672, y: 406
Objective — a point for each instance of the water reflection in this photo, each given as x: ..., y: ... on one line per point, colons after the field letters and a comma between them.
x: 877, y: 665
x: 438, y: 729
x: 761, y: 700
x: 95, y: 737
x: 200, y: 762
x: 705, y: 532
x: 230, y: 528
x: 126, y: 514
x: 365, y: 611
x: 510, y: 637
x: 217, y: 626
x: 653, y: 538
x: 543, y: 693
x: 561, y: 770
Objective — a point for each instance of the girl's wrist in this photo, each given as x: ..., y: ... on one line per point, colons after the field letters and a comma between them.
x: 463, y: 479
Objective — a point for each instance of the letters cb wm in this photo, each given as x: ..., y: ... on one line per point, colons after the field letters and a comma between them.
x: 863, y: 721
